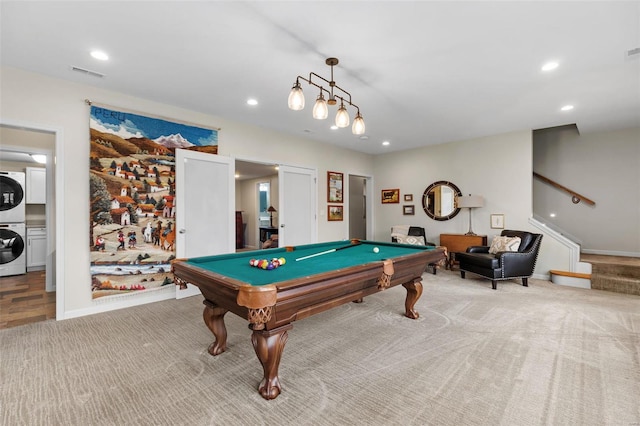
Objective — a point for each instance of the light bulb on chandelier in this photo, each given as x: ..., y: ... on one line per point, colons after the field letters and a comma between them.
x: 321, y: 106
x: 296, y: 97
x: 342, y: 117
x: 358, y: 125
x: 320, y: 109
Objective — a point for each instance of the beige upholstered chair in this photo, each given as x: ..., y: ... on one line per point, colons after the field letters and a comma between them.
x: 407, y: 234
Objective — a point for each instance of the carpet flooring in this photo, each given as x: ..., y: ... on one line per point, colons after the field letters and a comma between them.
x: 537, y: 355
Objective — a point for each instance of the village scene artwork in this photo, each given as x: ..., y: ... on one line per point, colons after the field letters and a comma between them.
x: 132, y: 198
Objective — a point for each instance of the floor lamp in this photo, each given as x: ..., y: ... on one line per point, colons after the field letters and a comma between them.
x: 470, y: 202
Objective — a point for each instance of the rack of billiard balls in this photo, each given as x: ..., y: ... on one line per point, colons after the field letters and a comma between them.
x: 267, y: 264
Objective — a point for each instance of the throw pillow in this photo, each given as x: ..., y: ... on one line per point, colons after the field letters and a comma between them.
x: 410, y: 239
x: 504, y: 244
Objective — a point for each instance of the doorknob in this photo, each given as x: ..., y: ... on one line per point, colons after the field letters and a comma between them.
x: 182, y: 231
x: 282, y: 225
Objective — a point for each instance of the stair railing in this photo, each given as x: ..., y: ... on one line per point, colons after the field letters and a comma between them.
x: 575, y: 197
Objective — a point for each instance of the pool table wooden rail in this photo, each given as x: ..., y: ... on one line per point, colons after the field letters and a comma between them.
x: 272, y: 308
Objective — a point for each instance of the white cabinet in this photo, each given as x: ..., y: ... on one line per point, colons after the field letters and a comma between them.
x: 36, y: 248
x: 36, y: 178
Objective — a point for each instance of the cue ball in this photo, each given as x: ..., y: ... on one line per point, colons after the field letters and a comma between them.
x: 376, y: 249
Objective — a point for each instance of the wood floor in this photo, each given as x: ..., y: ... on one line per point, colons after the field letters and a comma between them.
x: 23, y: 300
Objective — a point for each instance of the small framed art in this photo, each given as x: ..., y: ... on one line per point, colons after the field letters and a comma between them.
x: 408, y: 197
x: 335, y: 213
x: 408, y: 210
x: 390, y: 196
x: 497, y: 221
x: 334, y: 187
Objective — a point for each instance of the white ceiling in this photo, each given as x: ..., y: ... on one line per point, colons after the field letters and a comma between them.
x: 422, y: 72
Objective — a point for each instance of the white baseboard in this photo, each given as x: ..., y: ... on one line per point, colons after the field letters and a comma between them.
x: 112, y: 303
x: 544, y: 277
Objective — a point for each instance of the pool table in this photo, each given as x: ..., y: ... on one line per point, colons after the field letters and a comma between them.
x: 314, y: 278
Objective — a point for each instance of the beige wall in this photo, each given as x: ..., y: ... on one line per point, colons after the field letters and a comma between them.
x: 604, y: 167
x: 476, y: 166
x: 52, y: 103
x: 497, y: 167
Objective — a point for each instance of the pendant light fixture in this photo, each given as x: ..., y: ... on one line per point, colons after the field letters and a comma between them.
x: 296, y: 97
x: 342, y: 117
x: 320, y: 108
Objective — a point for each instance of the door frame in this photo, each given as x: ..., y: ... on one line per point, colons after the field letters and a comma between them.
x: 55, y: 246
x: 368, y: 206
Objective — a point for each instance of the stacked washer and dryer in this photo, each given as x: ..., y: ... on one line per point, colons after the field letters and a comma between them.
x: 13, y: 251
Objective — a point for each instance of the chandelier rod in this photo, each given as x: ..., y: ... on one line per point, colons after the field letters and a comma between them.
x: 330, y: 93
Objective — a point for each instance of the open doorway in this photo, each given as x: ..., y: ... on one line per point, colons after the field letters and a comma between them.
x: 29, y: 154
x: 256, y: 201
x: 360, y: 198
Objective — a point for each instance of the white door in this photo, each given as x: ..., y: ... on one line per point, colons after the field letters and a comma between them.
x: 297, y: 215
x: 205, y: 207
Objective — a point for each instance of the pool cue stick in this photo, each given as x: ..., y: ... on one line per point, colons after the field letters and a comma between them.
x: 326, y: 252
x: 316, y: 254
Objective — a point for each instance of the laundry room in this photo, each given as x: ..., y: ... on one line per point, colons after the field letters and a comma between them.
x: 26, y: 201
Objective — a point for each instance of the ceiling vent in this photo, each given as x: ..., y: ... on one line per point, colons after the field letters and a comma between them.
x: 633, y: 53
x: 87, y: 72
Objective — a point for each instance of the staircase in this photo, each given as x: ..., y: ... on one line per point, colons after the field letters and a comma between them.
x: 614, y: 273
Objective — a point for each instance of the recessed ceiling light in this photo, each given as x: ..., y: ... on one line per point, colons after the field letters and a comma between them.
x: 97, y: 54
x: 334, y: 127
x: 237, y: 176
x: 552, y: 215
x: 567, y: 108
x: 549, y: 66
x: 386, y: 143
x: 252, y: 102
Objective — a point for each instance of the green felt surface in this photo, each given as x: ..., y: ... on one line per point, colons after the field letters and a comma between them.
x: 236, y: 265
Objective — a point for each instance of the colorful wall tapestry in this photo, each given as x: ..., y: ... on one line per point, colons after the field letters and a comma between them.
x: 132, y: 189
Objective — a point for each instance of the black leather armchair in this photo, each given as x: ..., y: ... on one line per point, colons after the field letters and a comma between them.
x: 503, y: 265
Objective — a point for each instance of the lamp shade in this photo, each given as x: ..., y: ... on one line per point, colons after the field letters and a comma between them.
x: 470, y: 201
x: 320, y: 109
x: 342, y: 117
x: 358, y: 125
x: 271, y: 209
x: 296, y: 97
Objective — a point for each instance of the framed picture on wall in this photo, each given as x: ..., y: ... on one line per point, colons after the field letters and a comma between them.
x: 497, y: 221
x: 334, y: 187
x: 390, y: 196
x: 335, y: 213
x: 408, y: 210
x: 408, y: 197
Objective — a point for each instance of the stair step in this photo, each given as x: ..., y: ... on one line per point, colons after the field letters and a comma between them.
x: 616, y: 283
x: 629, y: 271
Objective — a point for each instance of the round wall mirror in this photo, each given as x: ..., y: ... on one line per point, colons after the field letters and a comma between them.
x: 439, y: 200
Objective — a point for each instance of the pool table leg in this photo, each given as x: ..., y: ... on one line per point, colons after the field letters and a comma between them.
x: 414, y: 291
x: 269, y: 345
x: 213, y: 316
